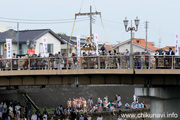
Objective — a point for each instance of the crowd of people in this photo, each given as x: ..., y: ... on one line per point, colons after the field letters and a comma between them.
x: 89, y: 60
x: 14, y: 111
x: 76, y: 109
x: 81, y: 105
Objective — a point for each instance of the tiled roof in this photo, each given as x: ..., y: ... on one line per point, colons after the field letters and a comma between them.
x: 25, y: 35
x: 139, y: 42
x: 142, y: 42
x: 167, y: 48
x: 73, y: 39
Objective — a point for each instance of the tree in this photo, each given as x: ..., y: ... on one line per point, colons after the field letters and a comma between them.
x: 59, y: 34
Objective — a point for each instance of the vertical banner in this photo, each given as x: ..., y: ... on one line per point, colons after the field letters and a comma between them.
x: 9, y: 48
x: 78, y: 46
x: 44, y: 42
x: 176, y: 47
x: 96, y: 43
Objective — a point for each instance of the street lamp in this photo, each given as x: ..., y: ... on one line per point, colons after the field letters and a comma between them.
x: 127, y: 29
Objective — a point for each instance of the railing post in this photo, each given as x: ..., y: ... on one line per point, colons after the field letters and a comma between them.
x: 172, y: 62
x: 11, y: 64
x: 48, y: 62
x: 99, y: 62
x: 67, y: 66
x: 29, y: 64
x: 80, y: 63
x: 149, y: 61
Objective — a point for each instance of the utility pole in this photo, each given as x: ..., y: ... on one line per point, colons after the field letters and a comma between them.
x: 91, y: 23
x: 146, y: 27
x: 89, y: 14
x: 159, y: 42
x: 17, y: 38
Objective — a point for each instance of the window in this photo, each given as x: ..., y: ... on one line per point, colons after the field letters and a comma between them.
x: 50, y: 48
x: 24, y: 49
x: 138, y: 41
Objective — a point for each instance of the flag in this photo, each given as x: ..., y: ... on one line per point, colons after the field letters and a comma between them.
x: 177, y: 46
x: 78, y: 46
x: 9, y: 48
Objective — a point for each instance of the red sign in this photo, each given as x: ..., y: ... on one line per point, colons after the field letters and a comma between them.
x: 75, y: 46
x: 31, y: 51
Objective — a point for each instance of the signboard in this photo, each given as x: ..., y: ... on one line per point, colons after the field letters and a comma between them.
x: 78, y: 46
x: 176, y: 47
x: 96, y: 43
x: 44, y: 42
x: 9, y: 48
x: 31, y: 51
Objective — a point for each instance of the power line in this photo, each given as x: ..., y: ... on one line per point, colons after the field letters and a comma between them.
x: 42, y: 22
x: 36, y: 20
x: 94, y: 5
x: 81, y: 6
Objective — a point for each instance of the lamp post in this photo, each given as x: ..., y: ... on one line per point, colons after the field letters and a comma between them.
x: 127, y: 29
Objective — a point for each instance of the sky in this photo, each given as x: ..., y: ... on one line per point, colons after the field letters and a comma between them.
x: 162, y: 15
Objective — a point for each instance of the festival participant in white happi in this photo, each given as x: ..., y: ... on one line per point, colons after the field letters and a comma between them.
x: 69, y: 103
x: 99, y: 104
x: 84, y: 104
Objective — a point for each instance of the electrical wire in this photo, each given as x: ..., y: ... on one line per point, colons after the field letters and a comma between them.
x: 36, y: 20
x: 41, y: 22
x: 94, y: 5
x: 81, y: 6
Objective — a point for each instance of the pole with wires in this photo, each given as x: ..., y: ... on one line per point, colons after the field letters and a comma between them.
x: 17, y: 39
x: 91, y: 23
x: 146, y: 27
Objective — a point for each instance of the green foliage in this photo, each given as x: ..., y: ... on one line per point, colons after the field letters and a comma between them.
x: 59, y: 34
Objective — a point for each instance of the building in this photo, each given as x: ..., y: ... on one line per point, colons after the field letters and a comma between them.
x: 139, y: 45
x: 72, y: 44
x: 35, y: 40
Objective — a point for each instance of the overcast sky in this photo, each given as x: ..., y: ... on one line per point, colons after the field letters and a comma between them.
x: 162, y: 15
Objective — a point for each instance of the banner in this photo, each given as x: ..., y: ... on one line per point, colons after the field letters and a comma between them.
x: 9, y: 48
x: 176, y: 47
x: 78, y: 46
x: 96, y: 43
x: 44, y: 42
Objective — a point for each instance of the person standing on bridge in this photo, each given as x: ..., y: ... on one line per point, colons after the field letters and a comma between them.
x: 146, y: 54
x: 127, y: 58
x: 156, y: 58
x: 170, y: 53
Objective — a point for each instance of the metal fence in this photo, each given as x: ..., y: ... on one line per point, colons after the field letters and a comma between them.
x: 91, y: 62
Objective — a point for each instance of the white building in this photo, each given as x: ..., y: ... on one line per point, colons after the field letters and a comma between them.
x: 139, y: 45
x: 35, y: 39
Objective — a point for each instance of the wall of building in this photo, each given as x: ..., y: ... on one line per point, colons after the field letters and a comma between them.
x: 122, y: 48
x: 50, y: 40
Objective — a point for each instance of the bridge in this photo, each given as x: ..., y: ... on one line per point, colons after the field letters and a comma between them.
x: 159, y: 75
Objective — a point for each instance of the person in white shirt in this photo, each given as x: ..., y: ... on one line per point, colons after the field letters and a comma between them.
x: 89, y: 117
x: 34, y: 117
x: 45, y: 117
x: 17, y: 107
x: 100, y: 117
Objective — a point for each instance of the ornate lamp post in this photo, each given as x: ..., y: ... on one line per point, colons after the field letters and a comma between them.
x: 127, y: 29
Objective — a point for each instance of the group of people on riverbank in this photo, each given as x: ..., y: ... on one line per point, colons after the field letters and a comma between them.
x: 12, y: 110
x: 76, y: 109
